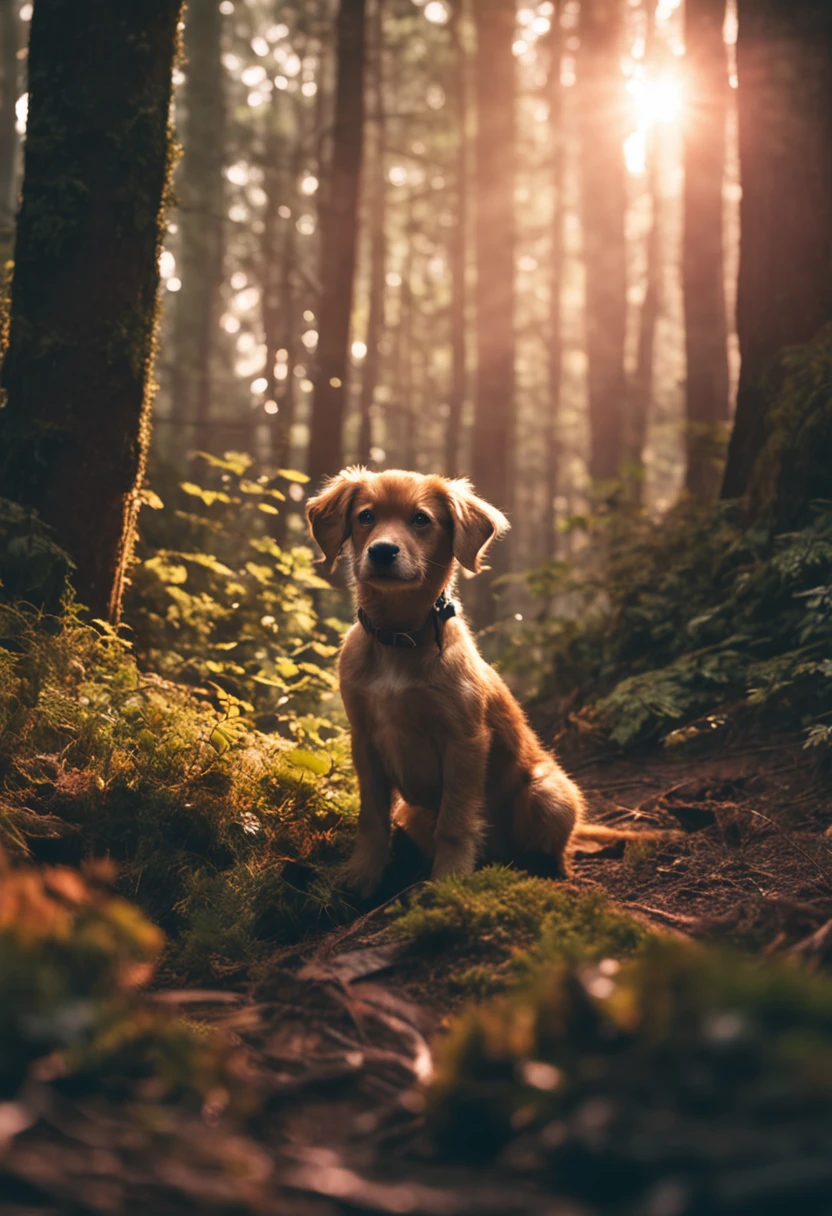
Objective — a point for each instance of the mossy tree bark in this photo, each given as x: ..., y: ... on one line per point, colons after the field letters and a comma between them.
x: 706, y: 332
x: 201, y: 190
x: 339, y: 241
x: 603, y: 210
x: 74, y: 431
x: 784, y: 294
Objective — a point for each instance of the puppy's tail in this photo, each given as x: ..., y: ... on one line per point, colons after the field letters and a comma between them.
x: 602, y: 834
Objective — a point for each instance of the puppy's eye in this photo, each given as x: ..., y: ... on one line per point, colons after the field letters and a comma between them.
x: 366, y: 517
x: 420, y: 519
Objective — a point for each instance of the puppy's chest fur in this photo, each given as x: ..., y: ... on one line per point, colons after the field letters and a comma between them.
x: 408, y: 716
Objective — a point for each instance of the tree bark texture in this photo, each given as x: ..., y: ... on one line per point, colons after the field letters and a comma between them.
x: 9, y: 43
x: 201, y: 189
x: 339, y: 240
x: 603, y: 209
x: 458, y: 247
x: 494, y: 83
x: 784, y: 294
x: 553, y: 445
x: 78, y: 372
x: 706, y: 336
x: 377, y: 216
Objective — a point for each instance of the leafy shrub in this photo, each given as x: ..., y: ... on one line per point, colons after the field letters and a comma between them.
x: 659, y: 623
x: 679, y: 1066
x: 205, y: 814
x: 217, y: 602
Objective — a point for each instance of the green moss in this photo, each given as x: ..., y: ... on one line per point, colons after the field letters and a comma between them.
x: 493, y: 927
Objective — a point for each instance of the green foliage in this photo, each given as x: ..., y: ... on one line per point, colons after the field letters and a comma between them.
x: 498, y: 923
x: 33, y: 567
x: 658, y: 626
x: 205, y: 814
x: 217, y: 601
x: 684, y: 616
x: 72, y: 957
x: 678, y: 1063
x: 794, y: 469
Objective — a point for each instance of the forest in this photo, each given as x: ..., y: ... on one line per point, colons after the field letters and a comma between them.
x: 577, y: 255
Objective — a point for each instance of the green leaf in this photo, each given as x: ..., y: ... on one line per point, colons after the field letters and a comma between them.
x: 321, y: 766
x: 219, y: 740
x: 293, y: 475
x: 267, y: 508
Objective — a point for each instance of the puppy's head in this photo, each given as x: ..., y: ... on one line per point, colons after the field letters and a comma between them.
x: 405, y: 529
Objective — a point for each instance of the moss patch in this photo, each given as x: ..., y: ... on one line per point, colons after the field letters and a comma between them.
x: 483, y: 932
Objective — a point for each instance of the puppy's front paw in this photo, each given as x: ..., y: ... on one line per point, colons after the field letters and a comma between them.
x: 453, y: 857
x: 364, y: 870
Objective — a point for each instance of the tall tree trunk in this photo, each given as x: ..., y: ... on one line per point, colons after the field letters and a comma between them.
x: 201, y: 189
x: 640, y: 396
x: 706, y: 331
x: 603, y: 209
x: 78, y: 371
x: 339, y: 239
x: 494, y: 417
x: 556, y: 127
x: 9, y: 42
x: 378, y: 246
x: 458, y: 88
x: 784, y: 294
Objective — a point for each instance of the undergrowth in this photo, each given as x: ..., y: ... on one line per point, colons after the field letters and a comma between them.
x: 680, y: 1067
x: 660, y: 626
x: 494, y: 927
x: 73, y: 957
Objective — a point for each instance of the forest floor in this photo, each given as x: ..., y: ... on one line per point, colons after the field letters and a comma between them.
x: 336, y: 1038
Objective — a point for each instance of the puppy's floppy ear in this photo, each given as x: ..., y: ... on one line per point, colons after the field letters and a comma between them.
x: 476, y: 524
x: 328, y: 514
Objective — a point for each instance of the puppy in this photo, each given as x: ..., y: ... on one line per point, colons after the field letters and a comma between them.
x: 439, y: 742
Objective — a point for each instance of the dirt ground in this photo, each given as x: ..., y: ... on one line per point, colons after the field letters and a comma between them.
x: 336, y: 1038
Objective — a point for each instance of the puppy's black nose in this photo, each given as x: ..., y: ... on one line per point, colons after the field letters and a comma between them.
x: 383, y: 553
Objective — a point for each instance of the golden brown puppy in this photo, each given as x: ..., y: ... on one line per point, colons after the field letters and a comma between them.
x: 437, y: 737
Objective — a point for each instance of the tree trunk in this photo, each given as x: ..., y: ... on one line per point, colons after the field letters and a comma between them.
x: 9, y: 42
x: 339, y: 239
x: 556, y: 128
x: 603, y: 208
x: 784, y: 294
x: 494, y: 81
x: 706, y: 333
x: 641, y: 389
x: 200, y: 185
x: 458, y: 89
x: 378, y: 247
x: 78, y: 371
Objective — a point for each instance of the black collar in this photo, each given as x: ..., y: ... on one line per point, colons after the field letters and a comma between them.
x: 410, y: 639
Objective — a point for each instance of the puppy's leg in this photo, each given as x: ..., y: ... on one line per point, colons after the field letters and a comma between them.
x: 551, y: 808
x: 363, y: 872
x: 460, y: 825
